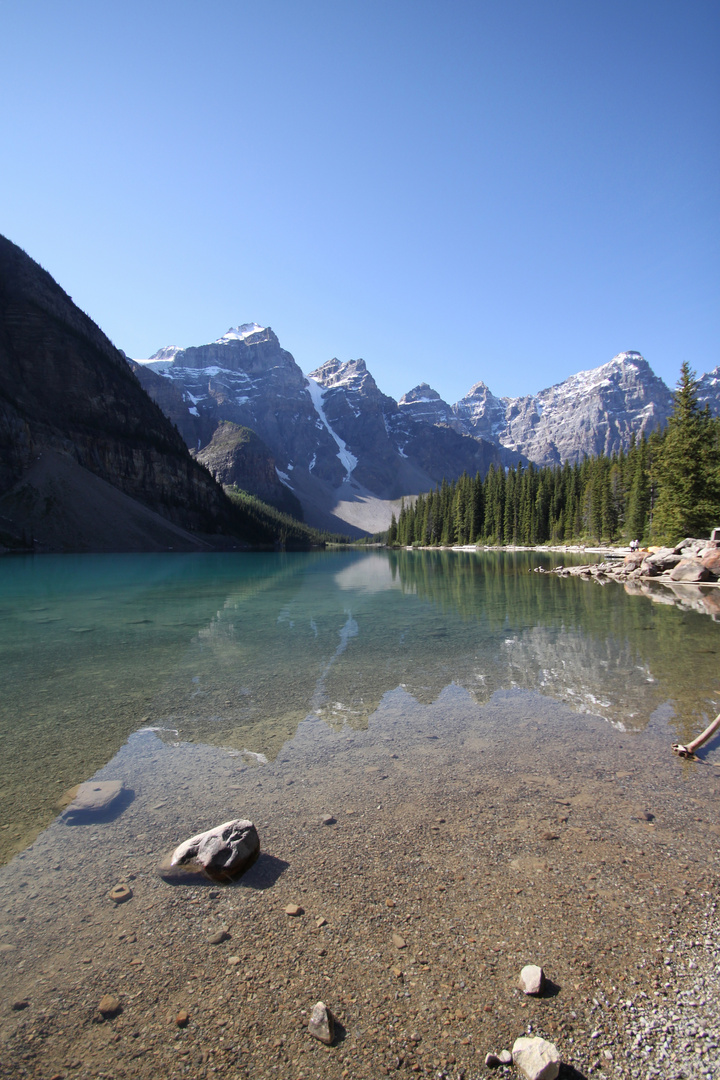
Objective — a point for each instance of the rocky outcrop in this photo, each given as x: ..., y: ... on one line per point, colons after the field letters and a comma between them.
x: 482, y: 414
x: 70, y: 406
x: 237, y: 457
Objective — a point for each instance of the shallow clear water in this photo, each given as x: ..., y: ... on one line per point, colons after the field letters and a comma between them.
x: 235, y: 651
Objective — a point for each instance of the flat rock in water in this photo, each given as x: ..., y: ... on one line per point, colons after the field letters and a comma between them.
x: 222, y: 853
x: 322, y: 1023
x: 92, y: 797
x: 537, y: 1059
x: 531, y: 979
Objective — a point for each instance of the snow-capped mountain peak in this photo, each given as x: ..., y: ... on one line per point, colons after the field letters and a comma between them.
x: 239, y: 333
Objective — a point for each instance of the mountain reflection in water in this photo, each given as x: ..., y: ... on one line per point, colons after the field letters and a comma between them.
x: 236, y: 650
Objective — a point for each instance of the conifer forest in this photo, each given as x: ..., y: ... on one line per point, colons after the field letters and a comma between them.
x: 664, y: 487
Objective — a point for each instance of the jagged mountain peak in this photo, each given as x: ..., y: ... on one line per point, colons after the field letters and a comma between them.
x: 423, y: 392
x: 352, y: 374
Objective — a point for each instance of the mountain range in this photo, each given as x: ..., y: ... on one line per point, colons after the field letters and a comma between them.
x: 347, y: 452
x: 102, y: 453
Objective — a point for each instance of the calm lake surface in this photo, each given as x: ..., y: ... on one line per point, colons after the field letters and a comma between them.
x: 237, y: 651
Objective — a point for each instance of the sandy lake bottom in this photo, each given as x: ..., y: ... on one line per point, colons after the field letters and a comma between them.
x: 459, y: 853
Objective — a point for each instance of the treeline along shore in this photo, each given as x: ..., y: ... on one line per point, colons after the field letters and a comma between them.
x: 664, y: 486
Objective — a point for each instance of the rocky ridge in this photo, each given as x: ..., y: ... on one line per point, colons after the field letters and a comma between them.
x: 593, y: 412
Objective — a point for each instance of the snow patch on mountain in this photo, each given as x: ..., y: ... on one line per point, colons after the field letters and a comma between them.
x: 348, y: 460
x: 239, y: 333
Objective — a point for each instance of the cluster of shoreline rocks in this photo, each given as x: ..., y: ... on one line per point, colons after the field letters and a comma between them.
x: 691, y: 562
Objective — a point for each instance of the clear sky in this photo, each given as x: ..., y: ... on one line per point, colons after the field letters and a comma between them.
x: 505, y: 190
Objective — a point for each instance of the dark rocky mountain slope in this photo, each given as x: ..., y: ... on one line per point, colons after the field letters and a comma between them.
x: 237, y: 457
x: 87, y: 460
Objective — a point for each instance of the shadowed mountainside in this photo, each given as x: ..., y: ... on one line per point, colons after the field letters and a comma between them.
x: 88, y: 462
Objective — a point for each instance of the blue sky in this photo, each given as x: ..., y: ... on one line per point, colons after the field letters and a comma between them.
x: 507, y: 190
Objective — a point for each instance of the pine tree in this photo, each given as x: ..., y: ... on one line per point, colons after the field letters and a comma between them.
x: 688, y: 501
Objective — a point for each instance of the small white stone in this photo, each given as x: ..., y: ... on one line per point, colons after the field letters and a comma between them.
x: 531, y: 979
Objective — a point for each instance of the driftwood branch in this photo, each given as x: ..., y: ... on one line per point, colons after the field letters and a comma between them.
x: 689, y: 750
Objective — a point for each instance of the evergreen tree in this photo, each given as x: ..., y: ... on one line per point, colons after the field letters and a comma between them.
x: 637, y: 514
x: 688, y: 501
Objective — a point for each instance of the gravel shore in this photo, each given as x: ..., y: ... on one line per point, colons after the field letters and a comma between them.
x: 465, y: 842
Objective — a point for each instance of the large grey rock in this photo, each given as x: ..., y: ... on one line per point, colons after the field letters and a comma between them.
x: 710, y: 558
x: 690, y: 570
x: 537, y: 1059
x: 224, y: 852
x: 664, y: 559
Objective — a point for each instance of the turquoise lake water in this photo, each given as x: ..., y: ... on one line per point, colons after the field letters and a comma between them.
x: 236, y: 650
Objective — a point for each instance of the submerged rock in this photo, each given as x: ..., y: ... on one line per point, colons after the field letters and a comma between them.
x: 537, y: 1059
x: 222, y: 853
x: 91, y: 798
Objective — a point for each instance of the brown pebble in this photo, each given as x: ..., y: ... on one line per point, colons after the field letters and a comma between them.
x: 120, y: 893
x: 217, y: 937
x: 320, y: 922
x: 21, y: 1004
x: 294, y: 910
x: 108, y: 1005
x: 183, y: 1018
x: 390, y: 903
x: 398, y: 942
